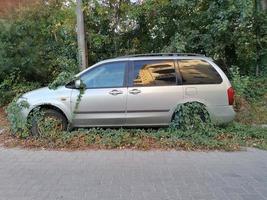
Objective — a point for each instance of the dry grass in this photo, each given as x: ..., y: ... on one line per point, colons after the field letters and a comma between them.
x: 252, y: 113
x: 3, y: 120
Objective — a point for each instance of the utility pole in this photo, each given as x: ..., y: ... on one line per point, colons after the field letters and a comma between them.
x: 256, y: 2
x: 83, y: 62
x: 264, y: 4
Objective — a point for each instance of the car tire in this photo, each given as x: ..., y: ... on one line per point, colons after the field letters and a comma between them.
x: 34, y: 130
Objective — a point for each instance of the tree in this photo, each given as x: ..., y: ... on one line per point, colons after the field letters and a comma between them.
x: 39, y: 42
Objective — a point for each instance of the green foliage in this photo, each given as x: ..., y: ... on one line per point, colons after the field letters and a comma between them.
x: 256, y: 89
x: 239, y: 82
x: 17, y: 122
x: 47, y: 127
x: 191, y: 129
x: 81, y: 93
x: 223, y: 30
x: 62, y: 79
x: 227, y: 138
x: 21, y: 127
x: 191, y: 116
x: 40, y: 41
x: 109, y: 28
x: 12, y: 87
x: 38, y: 44
x: 246, y: 131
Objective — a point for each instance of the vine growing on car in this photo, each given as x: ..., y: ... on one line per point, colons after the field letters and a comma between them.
x: 62, y: 79
x: 191, y: 116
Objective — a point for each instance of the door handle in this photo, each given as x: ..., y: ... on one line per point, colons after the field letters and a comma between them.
x: 115, y: 92
x: 135, y: 91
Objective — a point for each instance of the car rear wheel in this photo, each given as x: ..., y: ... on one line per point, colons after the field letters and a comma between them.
x: 191, y: 115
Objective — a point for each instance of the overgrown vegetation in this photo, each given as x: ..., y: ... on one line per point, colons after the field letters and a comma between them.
x: 230, y: 138
x: 191, y: 116
x: 223, y: 30
x: 62, y: 79
x: 192, y: 130
x: 18, y: 123
x: 14, y: 86
x: 38, y: 45
x: 40, y: 41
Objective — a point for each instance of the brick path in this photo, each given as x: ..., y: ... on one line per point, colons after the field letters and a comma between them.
x: 108, y: 175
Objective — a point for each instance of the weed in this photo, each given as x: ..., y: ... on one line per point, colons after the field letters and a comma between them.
x: 191, y: 129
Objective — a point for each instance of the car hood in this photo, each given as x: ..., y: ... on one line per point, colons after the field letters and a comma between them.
x: 44, y: 93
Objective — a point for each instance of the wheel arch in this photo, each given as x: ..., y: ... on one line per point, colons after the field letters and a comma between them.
x: 188, y: 101
x: 52, y: 107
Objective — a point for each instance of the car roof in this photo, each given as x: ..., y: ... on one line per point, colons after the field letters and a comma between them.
x: 159, y: 56
x: 163, y: 54
x: 151, y: 56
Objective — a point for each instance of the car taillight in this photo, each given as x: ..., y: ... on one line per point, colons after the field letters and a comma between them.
x: 231, y: 95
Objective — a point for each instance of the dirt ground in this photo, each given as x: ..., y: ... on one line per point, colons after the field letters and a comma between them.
x: 3, y: 120
x: 4, y: 135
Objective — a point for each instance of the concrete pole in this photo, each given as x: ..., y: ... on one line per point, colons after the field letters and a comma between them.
x: 81, y: 37
x: 264, y: 4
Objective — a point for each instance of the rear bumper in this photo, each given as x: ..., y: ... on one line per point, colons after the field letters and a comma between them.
x: 222, y: 114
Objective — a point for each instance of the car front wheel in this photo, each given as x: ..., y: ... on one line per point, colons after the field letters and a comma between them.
x: 50, y: 121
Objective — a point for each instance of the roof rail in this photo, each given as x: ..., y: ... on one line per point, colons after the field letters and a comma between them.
x: 162, y: 54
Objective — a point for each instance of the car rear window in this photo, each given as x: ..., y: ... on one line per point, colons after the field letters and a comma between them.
x: 154, y: 73
x: 198, y: 72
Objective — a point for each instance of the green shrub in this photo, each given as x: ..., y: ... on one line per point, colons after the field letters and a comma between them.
x: 257, y: 88
x: 17, y: 122
x: 62, y: 79
x: 240, y: 83
x: 13, y: 86
x: 39, y: 41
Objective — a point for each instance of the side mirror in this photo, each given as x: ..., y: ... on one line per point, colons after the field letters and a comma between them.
x: 78, y: 83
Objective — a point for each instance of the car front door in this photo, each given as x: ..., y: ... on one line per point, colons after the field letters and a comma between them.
x: 104, y: 100
x: 153, y: 92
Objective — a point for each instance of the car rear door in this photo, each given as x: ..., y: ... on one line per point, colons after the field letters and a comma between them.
x: 201, y: 82
x: 153, y: 92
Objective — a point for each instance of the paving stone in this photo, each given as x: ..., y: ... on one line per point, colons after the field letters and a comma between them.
x: 120, y: 175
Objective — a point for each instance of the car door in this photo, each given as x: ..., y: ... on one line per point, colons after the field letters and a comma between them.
x: 201, y: 82
x: 153, y: 92
x: 104, y: 100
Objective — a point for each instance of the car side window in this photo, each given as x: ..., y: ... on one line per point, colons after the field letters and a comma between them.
x: 154, y: 73
x: 196, y: 71
x: 105, y: 76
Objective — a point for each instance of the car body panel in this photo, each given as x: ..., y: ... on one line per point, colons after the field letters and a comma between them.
x: 153, y: 105
x: 59, y: 98
x: 99, y: 108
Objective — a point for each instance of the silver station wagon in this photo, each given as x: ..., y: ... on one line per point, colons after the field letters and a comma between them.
x: 138, y: 90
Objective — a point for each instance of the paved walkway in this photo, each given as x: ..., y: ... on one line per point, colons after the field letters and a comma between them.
x: 108, y: 175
